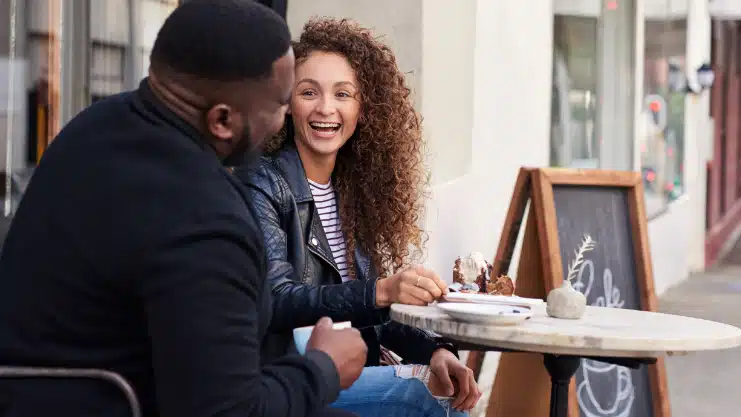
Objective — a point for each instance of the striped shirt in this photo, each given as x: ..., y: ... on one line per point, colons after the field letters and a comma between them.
x: 326, y: 205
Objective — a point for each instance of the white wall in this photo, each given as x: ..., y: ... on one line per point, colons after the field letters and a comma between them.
x: 725, y: 9
x: 698, y: 126
x: 511, y: 125
x: 511, y: 128
x: 448, y: 86
x: 399, y: 23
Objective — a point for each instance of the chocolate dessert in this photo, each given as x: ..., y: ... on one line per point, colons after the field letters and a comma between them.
x: 482, y: 279
x: 473, y: 274
x: 502, y: 285
x: 458, y: 273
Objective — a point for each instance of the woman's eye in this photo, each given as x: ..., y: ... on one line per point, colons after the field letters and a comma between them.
x: 307, y: 93
x: 343, y: 95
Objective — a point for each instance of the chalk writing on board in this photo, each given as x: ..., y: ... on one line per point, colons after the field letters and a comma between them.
x: 622, y: 401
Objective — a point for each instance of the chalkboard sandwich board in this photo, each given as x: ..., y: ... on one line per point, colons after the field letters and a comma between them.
x: 561, y: 209
x: 592, y: 227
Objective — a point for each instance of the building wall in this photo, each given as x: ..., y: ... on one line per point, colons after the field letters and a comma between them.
x: 398, y: 23
x: 438, y: 65
x: 511, y: 128
x: 700, y: 128
x: 725, y: 9
x: 511, y: 124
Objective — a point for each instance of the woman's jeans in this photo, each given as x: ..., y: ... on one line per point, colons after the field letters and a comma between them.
x: 380, y: 393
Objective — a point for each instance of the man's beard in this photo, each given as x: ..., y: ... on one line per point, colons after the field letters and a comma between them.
x: 245, y: 152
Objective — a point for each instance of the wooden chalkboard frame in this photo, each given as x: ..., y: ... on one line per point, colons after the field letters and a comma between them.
x: 543, y: 180
x: 521, y: 194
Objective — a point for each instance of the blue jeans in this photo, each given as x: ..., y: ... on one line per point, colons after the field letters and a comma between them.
x: 380, y: 393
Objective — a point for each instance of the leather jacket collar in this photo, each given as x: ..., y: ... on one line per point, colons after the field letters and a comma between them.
x: 289, y: 162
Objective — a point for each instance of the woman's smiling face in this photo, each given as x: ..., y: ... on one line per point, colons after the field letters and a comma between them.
x: 325, y: 105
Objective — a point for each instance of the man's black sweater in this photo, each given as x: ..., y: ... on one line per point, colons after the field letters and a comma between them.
x: 134, y: 251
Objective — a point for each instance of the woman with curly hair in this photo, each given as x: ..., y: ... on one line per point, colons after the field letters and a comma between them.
x: 339, y: 197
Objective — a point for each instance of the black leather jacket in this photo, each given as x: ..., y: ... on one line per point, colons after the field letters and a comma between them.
x: 306, y: 284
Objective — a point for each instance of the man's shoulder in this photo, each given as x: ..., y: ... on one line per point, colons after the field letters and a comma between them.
x: 149, y: 180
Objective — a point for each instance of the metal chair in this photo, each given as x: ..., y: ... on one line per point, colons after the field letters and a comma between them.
x: 7, y: 372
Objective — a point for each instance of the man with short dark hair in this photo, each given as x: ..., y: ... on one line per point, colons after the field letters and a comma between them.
x: 134, y: 251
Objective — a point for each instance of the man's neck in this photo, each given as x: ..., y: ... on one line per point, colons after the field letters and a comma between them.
x: 181, y: 101
x: 186, y: 104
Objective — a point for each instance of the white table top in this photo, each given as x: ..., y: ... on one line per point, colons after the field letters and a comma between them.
x: 610, y: 332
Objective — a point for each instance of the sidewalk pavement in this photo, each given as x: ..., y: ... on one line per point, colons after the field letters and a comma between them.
x: 700, y: 384
x: 706, y: 383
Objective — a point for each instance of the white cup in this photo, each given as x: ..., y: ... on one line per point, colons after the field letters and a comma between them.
x: 301, y: 335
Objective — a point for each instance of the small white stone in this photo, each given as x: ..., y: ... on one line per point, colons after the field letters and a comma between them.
x: 566, y: 302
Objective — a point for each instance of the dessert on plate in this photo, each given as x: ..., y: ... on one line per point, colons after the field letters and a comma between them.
x: 472, y: 274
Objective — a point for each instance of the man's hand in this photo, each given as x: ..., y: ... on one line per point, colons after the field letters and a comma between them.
x: 445, y: 365
x: 416, y: 286
x: 346, y: 347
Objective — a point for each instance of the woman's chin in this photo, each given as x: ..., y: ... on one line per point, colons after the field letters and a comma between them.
x: 326, y: 146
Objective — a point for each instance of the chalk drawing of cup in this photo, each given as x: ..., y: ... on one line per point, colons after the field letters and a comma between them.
x: 612, y: 403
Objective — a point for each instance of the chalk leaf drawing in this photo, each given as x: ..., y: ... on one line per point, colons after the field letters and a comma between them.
x: 619, y: 403
x: 587, y: 244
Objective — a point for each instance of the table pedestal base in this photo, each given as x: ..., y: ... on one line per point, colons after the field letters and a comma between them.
x: 561, y: 369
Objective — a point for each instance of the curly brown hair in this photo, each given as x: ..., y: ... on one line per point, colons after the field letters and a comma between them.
x: 379, y: 175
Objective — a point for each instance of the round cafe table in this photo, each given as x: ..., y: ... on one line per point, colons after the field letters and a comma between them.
x: 620, y: 336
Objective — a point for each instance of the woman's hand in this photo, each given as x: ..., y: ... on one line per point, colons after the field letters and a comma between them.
x: 416, y: 286
x: 445, y: 365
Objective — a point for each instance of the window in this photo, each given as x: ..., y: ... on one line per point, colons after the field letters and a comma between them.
x: 106, y: 70
x: 592, y: 104
x: 662, y: 134
x: 574, y: 99
x: 104, y: 60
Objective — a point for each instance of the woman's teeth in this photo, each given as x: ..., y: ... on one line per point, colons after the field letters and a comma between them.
x: 324, y: 127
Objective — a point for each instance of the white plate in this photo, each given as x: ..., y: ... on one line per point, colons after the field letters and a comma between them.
x: 467, y: 297
x: 486, y: 313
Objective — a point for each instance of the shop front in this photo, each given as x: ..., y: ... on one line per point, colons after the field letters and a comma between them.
x: 723, y: 171
x: 57, y: 57
x: 626, y: 96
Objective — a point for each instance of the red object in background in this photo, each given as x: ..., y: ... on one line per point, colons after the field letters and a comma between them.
x: 650, y: 176
x: 612, y: 5
x: 655, y: 106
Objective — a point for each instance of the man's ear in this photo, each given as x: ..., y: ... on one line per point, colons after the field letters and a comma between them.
x: 220, y: 122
